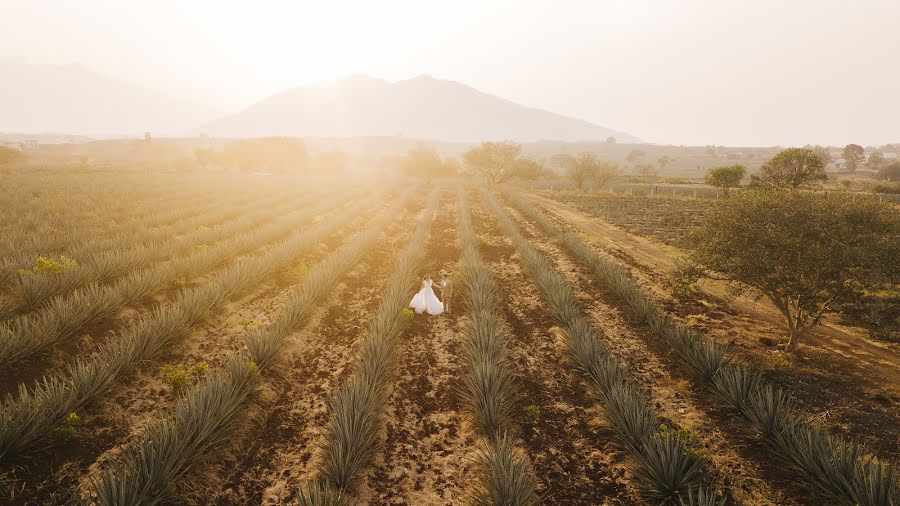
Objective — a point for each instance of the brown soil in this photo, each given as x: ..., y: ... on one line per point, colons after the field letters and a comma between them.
x: 125, y: 413
x: 91, y: 337
x: 734, y: 467
x: 274, y: 451
x: 569, y: 446
x: 839, y: 375
x: 428, y: 449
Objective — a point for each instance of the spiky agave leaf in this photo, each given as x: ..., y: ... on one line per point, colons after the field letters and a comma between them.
x: 702, y: 496
x: 666, y: 470
x: 769, y: 411
x: 734, y: 385
x: 503, y: 475
x: 320, y: 494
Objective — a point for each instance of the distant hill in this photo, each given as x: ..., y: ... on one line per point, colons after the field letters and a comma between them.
x: 73, y: 99
x: 421, y: 108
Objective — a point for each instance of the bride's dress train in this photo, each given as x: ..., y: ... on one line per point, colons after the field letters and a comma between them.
x: 426, y: 300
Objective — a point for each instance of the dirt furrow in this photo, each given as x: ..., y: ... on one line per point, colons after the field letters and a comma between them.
x: 855, y: 394
x: 562, y: 430
x: 123, y: 415
x: 274, y: 452
x: 673, y: 396
x: 428, y: 446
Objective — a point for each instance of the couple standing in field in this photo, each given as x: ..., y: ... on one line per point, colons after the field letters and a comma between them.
x: 427, y: 302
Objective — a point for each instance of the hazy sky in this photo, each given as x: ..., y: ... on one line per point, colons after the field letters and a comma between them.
x: 757, y: 72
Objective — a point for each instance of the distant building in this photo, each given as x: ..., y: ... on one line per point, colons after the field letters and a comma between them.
x: 147, y: 136
x: 30, y: 145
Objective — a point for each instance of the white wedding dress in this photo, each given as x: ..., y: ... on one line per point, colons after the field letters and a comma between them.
x: 426, y: 300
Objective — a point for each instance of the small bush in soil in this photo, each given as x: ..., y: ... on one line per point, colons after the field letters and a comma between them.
x: 68, y: 430
x: 532, y: 415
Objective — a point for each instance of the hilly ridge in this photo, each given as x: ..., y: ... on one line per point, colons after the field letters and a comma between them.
x: 421, y: 107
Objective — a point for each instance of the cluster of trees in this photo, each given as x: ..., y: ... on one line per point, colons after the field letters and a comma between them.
x: 274, y: 154
x: 587, y: 169
x: 789, y: 168
x: 495, y: 162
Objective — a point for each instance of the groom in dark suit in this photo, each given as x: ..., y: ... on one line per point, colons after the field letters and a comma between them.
x: 446, y: 292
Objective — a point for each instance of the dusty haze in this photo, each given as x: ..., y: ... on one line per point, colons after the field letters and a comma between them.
x: 693, y: 72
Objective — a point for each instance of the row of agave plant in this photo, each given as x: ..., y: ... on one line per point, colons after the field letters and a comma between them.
x: 67, y: 230
x: 488, y: 386
x: 148, y: 470
x: 835, y: 468
x: 29, y: 420
x: 66, y: 315
x: 664, y: 464
x: 358, y: 406
x: 31, y: 290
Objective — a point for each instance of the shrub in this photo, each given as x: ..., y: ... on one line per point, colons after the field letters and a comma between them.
x: 68, y: 429
x: 532, y: 415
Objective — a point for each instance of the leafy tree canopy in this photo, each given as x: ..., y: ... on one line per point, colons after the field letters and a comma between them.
x: 792, y: 168
x: 802, y: 251
x: 726, y: 177
x: 496, y: 162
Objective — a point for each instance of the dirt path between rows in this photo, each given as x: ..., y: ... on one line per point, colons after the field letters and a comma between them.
x: 274, y: 453
x: 429, y: 447
x: 848, y: 342
x: 568, y: 442
x: 672, y: 396
x: 124, y: 414
x: 856, y: 395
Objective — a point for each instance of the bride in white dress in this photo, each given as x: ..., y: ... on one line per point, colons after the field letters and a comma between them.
x: 426, y: 300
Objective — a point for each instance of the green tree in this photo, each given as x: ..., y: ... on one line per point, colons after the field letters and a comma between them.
x: 635, y: 155
x: 526, y: 168
x: 889, y: 172
x: 823, y: 153
x: 423, y: 161
x: 10, y: 155
x: 875, y: 160
x: 852, y: 155
x: 804, y: 252
x: 726, y: 177
x: 663, y: 161
x: 792, y: 168
x: 496, y: 162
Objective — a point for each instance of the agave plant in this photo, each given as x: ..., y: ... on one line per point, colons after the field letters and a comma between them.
x: 320, y: 493
x: 664, y: 465
x: 358, y: 406
x: 502, y: 470
x: 665, y: 470
x: 209, y: 411
x: 63, y: 317
x: 769, y: 411
x: 734, y: 385
x: 28, y: 421
x: 740, y: 389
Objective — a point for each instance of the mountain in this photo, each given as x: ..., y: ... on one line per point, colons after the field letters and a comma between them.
x: 422, y: 108
x: 73, y: 99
